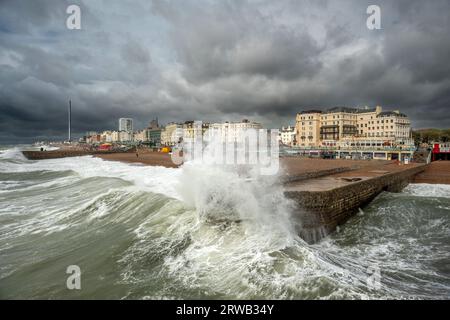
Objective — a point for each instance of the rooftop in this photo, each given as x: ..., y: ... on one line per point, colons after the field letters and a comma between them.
x: 342, y: 109
x: 391, y: 113
x: 310, y: 111
x: 350, y: 110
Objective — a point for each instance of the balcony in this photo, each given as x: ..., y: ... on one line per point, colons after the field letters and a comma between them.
x: 332, y: 129
x: 350, y: 130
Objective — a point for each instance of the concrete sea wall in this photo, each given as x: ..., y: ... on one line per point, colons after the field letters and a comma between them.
x: 320, y: 212
x: 54, y: 154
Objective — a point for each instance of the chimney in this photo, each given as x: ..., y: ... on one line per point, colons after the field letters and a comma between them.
x: 378, y: 109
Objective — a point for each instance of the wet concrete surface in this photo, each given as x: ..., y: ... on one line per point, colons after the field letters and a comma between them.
x: 345, y: 178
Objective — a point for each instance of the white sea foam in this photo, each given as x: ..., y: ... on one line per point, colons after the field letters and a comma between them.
x: 149, y: 178
x: 428, y: 190
x: 13, y: 154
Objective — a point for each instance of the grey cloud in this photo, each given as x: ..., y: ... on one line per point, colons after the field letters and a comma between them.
x: 232, y: 38
x: 217, y: 60
x: 135, y: 53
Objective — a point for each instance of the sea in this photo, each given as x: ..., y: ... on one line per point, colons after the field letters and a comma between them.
x: 205, y: 232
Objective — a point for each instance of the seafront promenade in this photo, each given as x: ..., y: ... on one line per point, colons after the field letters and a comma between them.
x: 437, y: 172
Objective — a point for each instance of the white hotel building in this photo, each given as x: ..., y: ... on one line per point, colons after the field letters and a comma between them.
x: 287, y: 136
x: 231, y: 130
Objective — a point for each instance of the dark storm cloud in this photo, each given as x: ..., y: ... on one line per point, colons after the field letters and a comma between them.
x: 217, y: 60
x: 235, y: 38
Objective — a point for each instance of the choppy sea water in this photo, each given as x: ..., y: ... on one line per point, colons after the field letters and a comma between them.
x: 140, y: 232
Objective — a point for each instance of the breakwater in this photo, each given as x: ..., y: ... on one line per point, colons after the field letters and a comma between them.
x: 55, y: 154
x: 325, y: 203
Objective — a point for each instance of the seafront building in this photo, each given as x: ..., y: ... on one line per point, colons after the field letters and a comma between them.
x: 141, y: 135
x: 344, y: 128
x: 154, y: 132
x: 91, y: 133
x: 110, y: 137
x: 126, y: 124
x: 120, y: 136
x: 230, y: 131
x: 106, y: 136
x: 125, y: 136
x: 287, y: 136
x: 92, y: 137
x: 189, y: 128
x: 172, y: 134
x: 169, y: 135
x: 341, y: 127
x: 440, y: 151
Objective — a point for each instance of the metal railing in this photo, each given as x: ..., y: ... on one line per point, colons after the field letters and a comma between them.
x: 354, y: 148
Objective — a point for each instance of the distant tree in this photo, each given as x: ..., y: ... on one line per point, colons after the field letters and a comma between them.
x: 431, y: 135
x: 417, y: 136
x: 445, y: 137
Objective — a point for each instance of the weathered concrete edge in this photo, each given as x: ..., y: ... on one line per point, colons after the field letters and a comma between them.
x: 320, y: 212
x: 316, y: 174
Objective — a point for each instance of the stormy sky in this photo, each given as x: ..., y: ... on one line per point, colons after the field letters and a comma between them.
x: 218, y: 60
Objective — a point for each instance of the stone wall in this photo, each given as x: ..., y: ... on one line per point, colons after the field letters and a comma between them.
x: 320, y: 212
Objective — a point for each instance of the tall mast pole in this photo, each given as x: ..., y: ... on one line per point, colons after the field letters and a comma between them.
x: 70, y: 118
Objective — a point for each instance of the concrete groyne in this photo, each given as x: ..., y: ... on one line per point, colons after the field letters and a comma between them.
x: 55, y: 154
x: 327, y: 202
